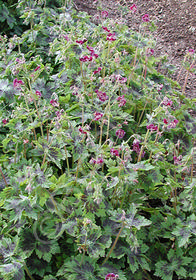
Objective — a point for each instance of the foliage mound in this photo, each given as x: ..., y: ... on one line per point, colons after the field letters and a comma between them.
x: 97, y: 152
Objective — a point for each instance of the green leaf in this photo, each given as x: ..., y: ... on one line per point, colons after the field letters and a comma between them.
x: 78, y: 268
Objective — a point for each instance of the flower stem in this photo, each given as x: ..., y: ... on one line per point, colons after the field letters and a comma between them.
x: 4, y: 178
x: 142, y: 148
x: 114, y: 244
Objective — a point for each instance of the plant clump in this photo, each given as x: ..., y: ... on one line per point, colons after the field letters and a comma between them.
x: 97, y: 152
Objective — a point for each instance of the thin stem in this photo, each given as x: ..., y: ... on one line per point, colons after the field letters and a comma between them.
x: 113, y: 246
x: 186, y: 78
x: 41, y: 127
x: 83, y: 250
x: 101, y: 133
x: 142, y: 113
x: 192, y: 167
x: 77, y: 170
x: 67, y: 160
x: 142, y: 148
x: 30, y: 117
x: 4, y: 178
x: 108, y: 127
x: 28, y: 273
x: 44, y: 159
x: 155, y: 139
x: 83, y: 78
x: 124, y: 196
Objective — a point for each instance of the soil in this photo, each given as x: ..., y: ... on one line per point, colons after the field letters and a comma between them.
x: 176, y: 28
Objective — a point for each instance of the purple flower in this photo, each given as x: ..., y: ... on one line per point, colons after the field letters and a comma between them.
x: 165, y: 121
x: 81, y: 42
x: 17, y: 83
x: 37, y: 68
x: 177, y: 160
x: 114, y: 152
x: 54, y: 103
x: 166, y: 101
x: 104, y: 14
x: 82, y: 130
x: 66, y: 37
x: 59, y: 114
x: 92, y: 52
x: 105, y: 28
x: 159, y: 87
x: 86, y: 58
x: 97, y: 71
x: 38, y: 93
x: 133, y: 8
x: 191, y: 51
x: 120, y: 133
x: 101, y: 95
x: 145, y: 18
x: 111, y: 276
x: 152, y: 127
x: 92, y: 161
x: 122, y: 101
x: 173, y: 124
x: 136, y: 147
x: 4, y: 121
x: 110, y: 37
x: 99, y: 161
x: 97, y: 116
x: 150, y: 51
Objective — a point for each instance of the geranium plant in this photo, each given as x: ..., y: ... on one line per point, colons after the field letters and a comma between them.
x: 97, y: 152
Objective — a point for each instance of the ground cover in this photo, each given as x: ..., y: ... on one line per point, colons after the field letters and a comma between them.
x: 97, y: 150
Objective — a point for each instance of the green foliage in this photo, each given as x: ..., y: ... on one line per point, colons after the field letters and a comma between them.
x: 97, y: 151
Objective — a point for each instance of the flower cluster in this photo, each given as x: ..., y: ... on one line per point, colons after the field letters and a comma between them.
x: 59, y: 114
x: 92, y: 51
x: 86, y: 58
x: 54, y: 103
x: 4, y: 121
x: 98, y: 161
x: 122, y: 101
x: 191, y: 51
x: 104, y: 14
x: 177, y: 160
x: 105, y: 28
x: 111, y: 276
x: 81, y: 42
x: 97, y: 71
x: 152, y: 127
x: 97, y: 116
x: 101, y: 95
x: 166, y: 101
x: 171, y: 124
x: 150, y: 51
x: 146, y: 18
x: 120, y: 79
x: 38, y: 93
x: 110, y: 36
x: 17, y: 83
x: 120, y: 133
x: 136, y: 147
x: 114, y: 152
x: 133, y: 8
x: 159, y: 87
x: 82, y: 130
